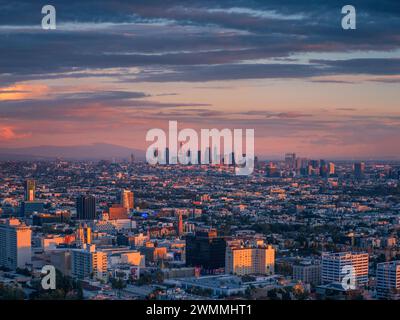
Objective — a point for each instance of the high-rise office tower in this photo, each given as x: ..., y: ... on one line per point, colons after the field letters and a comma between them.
x: 189, y: 156
x: 256, y: 162
x: 30, y: 205
x: 205, y: 249
x: 313, y: 168
x: 206, y: 156
x: 302, y: 166
x: 331, y: 168
x: 388, y: 280
x: 15, y: 244
x: 86, y: 207
x: 290, y: 160
x: 167, y: 156
x: 323, y: 168
x: 314, y: 164
x: 359, y: 169
x: 298, y: 165
x: 29, y: 190
x: 333, y: 265
x: 272, y: 171
x: 216, y: 157
x: 180, y: 152
x: 231, y: 159
x: 84, y: 235
x: 180, y: 224
x: 127, y: 199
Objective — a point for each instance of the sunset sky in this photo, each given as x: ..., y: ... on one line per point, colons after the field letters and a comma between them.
x: 114, y: 69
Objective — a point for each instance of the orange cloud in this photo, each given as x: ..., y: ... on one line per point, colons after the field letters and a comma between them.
x: 23, y: 91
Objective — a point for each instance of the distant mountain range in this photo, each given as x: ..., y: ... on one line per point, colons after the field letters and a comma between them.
x: 97, y: 151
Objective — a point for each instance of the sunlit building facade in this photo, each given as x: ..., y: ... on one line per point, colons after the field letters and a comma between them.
x: 89, y: 263
x: 29, y: 190
x: 127, y: 199
x: 243, y: 259
x: 15, y: 244
x: 333, y: 266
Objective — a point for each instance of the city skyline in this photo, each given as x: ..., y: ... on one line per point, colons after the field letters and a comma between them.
x: 199, y: 157
x: 286, y: 69
x: 297, y: 229
x: 102, y: 151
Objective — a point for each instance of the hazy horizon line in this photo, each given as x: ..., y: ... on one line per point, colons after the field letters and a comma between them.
x: 262, y: 157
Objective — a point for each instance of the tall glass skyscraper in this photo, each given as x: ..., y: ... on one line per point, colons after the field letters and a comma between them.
x: 86, y: 207
x: 29, y: 190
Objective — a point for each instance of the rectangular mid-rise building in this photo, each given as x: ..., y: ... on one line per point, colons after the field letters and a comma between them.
x: 307, y: 272
x: 243, y: 259
x: 333, y: 266
x: 15, y: 244
x: 89, y: 263
x: 388, y: 280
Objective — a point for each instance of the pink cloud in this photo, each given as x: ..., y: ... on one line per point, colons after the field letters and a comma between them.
x: 8, y: 133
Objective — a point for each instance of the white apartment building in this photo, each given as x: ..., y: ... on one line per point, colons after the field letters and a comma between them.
x: 15, y: 244
x: 388, y: 280
x: 333, y: 265
x: 89, y: 263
